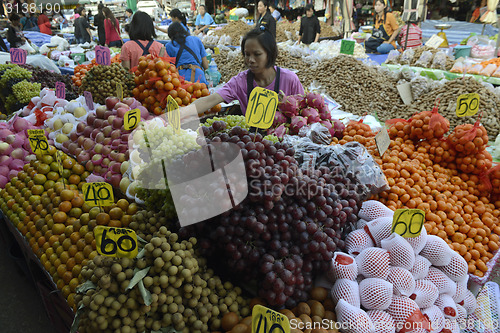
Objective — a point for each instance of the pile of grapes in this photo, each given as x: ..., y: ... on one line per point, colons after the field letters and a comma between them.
x: 48, y: 78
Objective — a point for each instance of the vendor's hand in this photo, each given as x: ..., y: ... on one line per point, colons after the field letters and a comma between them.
x: 386, y: 42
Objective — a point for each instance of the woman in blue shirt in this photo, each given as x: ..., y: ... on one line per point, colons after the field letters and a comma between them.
x: 189, y: 52
x: 177, y: 16
x: 203, y: 20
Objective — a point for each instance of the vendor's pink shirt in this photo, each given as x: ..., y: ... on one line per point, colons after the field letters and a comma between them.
x: 132, y: 52
x: 236, y: 88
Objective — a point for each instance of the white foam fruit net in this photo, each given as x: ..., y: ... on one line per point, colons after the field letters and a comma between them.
x: 402, y: 280
x: 469, y: 302
x: 346, y: 290
x: 446, y: 304
x: 406, y: 314
x: 418, y: 243
x: 353, y: 319
x: 373, y: 262
x: 379, y: 229
x: 425, y: 293
x: 375, y: 294
x: 400, y: 251
x: 435, y: 317
x: 457, y: 269
x: 461, y: 316
x: 451, y: 326
x: 342, y: 266
x: 371, y: 210
x: 460, y: 291
x: 421, y: 267
x: 437, y: 251
x: 444, y: 283
x: 382, y: 321
x: 357, y: 241
x: 361, y: 224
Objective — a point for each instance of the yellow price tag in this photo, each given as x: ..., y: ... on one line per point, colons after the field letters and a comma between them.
x: 59, y: 162
x: 261, y: 108
x: 116, y: 242
x: 119, y: 91
x: 173, y: 114
x: 132, y: 119
x: 467, y: 104
x: 408, y: 222
x: 216, y: 51
x: 98, y: 194
x: 265, y: 320
x: 38, y: 141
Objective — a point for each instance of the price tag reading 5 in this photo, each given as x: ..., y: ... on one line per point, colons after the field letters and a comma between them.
x: 408, y: 222
x: 173, y: 114
x: 265, y: 320
x: 347, y: 46
x: 38, y: 141
x: 261, y: 108
x: 116, y: 242
x: 98, y: 194
x: 132, y: 119
x: 467, y: 104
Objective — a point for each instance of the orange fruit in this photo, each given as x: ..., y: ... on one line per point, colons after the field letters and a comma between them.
x: 58, y: 229
x: 102, y: 219
x: 67, y: 195
x: 65, y: 206
x: 60, y: 217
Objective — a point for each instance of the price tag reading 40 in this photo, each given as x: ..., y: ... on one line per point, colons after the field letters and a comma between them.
x: 132, y: 119
x: 173, y: 114
x: 38, y: 141
x: 265, y: 320
x: 116, y: 242
x: 98, y: 194
x: 467, y: 104
x: 261, y: 108
x: 347, y: 46
x: 408, y: 222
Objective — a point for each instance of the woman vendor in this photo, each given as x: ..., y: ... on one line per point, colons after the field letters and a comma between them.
x: 383, y: 39
x: 259, y: 51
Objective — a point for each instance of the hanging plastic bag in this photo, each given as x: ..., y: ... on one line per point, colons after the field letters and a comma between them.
x: 439, y: 60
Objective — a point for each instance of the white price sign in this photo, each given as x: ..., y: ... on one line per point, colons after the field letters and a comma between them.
x: 434, y: 41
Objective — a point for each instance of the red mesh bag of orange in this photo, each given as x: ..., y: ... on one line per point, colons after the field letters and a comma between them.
x: 469, y: 139
x: 429, y: 124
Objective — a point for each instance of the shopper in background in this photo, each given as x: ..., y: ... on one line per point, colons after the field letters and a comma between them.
x: 260, y: 51
x: 15, y: 35
x: 176, y: 16
x: 112, y: 29
x: 141, y: 43
x: 189, y: 52
x: 31, y: 23
x: 23, y: 21
x: 265, y: 18
x: 128, y: 13
x: 82, y: 27
x: 309, y: 27
x: 414, y: 37
x: 203, y: 20
x: 274, y: 12
x: 44, y: 23
x: 99, y: 23
x: 383, y: 39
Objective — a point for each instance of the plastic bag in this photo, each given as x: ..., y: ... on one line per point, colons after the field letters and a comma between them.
x: 425, y: 59
x: 482, y: 47
x: 496, y: 73
x: 407, y: 57
x: 419, y: 86
x: 476, y: 69
x: 458, y: 67
x: 407, y: 73
x: 392, y: 56
x: 439, y: 61
x: 488, y: 70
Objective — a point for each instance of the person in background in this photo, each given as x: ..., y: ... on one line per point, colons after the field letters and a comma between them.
x: 44, y: 23
x: 15, y: 35
x: 203, y: 20
x: 383, y: 39
x: 128, y: 14
x: 176, y: 16
x: 99, y: 23
x: 414, y: 37
x: 89, y: 16
x: 3, y: 46
x: 31, y: 23
x: 265, y: 18
x: 141, y: 43
x: 82, y: 27
x: 112, y: 29
x: 23, y: 21
x: 190, y: 56
x: 274, y: 12
x: 309, y: 27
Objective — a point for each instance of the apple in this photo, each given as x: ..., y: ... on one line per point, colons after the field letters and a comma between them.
x: 96, y: 159
x: 111, y: 102
x: 73, y: 136
x: 124, y: 184
x: 58, y: 124
x: 61, y: 138
x: 107, y: 141
x: 67, y: 128
x: 115, y: 134
x: 129, y: 100
x: 99, y: 138
x: 105, y: 162
x: 117, y: 122
x: 113, y: 155
x: 83, y: 157
x: 98, y: 170
x: 80, y: 140
x: 120, y: 157
x: 79, y: 112
x: 73, y: 146
x: 115, y: 180
x: 124, y: 167
x: 120, y: 105
x: 80, y: 127
x: 78, y: 151
x: 94, y: 133
x: 88, y: 144
x: 107, y: 130
x: 124, y: 137
x: 115, y: 143
x: 120, y: 112
x: 107, y: 114
x: 89, y: 166
x: 106, y: 150
x: 98, y: 148
x: 100, y: 111
x: 122, y: 148
x: 87, y: 131
x: 98, y: 123
x: 110, y: 119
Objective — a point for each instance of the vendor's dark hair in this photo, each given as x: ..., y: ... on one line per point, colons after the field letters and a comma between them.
x: 14, y: 17
x: 100, y: 7
x: 176, y: 32
x: 385, y: 10
x: 309, y: 7
x: 141, y: 27
x: 176, y: 13
x: 129, y: 10
x: 266, y: 40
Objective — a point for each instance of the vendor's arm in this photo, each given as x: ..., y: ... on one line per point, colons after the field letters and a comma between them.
x: 395, y: 27
x: 126, y: 64
x: 318, y: 30
x: 301, y: 31
x: 125, y: 56
x: 12, y: 37
x: 161, y: 29
x: 204, y: 63
x: 201, y: 106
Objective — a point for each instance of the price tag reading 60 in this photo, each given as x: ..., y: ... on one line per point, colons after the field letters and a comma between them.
x: 261, y: 108
x: 116, y: 242
x: 98, y: 194
x: 131, y: 119
x: 173, y: 114
x: 38, y: 141
x: 408, y: 222
x: 467, y: 104
x: 265, y: 320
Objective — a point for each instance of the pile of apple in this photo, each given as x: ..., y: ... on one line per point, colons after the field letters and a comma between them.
x: 101, y: 142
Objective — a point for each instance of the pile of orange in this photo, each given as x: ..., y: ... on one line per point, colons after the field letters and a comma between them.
x: 81, y: 70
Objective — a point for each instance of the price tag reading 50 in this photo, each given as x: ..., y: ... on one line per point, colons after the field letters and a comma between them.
x: 173, y: 114
x: 408, y: 222
x: 98, y: 194
x: 467, y: 104
x: 116, y: 242
x: 265, y: 320
x: 131, y: 119
x: 261, y: 108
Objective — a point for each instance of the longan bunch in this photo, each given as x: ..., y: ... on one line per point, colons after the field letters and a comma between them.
x: 469, y: 139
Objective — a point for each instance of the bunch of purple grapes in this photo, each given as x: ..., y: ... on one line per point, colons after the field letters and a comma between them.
x: 291, y: 222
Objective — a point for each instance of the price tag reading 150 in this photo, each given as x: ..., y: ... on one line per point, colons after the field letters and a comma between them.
x: 265, y: 320
x: 98, y: 194
x: 408, y: 222
x: 116, y: 242
x: 173, y: 114
x: 261, y: 108
x: 467, y: 104
x: 131, y: 119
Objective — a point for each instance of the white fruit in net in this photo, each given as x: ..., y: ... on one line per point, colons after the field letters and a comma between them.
x: 361, y: 224
x: 451, y: 326
x: 402, y: 280
x: 382, y: 321
x: 357, y: 241
x: 418, y: 243
x: 347, y: 290
x: 371, y: 210
x: 373, y: 263
x: 457, y: 269
x: 353, y: 319
x: 379, y: 229
x: 435, y: 317
x: 421, y: 267
x: 437, y: 251
x: 469, y: 303
x: 342, y: 266
x: 407, y: 315
x: 401, y: 253
x: 460, y: 291
x: 461, y: 316
x: 443, y: 282
x: 375, y: 294
x: 425, y: 293
x: 446, y: 304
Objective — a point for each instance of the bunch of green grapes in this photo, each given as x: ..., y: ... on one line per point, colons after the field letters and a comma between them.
x: 272, y: 138
x: 15, y: 72
x: 25, y: 91
x: 231, y: 121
